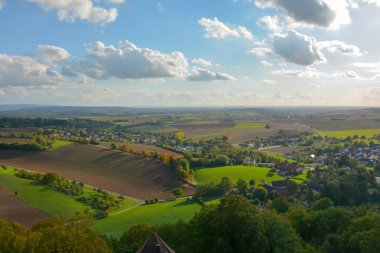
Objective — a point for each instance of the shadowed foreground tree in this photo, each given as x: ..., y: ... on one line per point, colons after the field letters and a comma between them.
x: 51, y: 236
x: 235, y: 225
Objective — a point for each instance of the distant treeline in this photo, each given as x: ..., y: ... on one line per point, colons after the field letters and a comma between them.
x: 43, y: 122
x: 20, y: 146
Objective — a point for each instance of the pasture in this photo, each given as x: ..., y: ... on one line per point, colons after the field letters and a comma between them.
x: 259, y: 174
x: 343, y: 124
x: 155, y: 214
x: 345, y: 133
x: 123, y: 173
x: 52, y: 202
x: 11, y: 208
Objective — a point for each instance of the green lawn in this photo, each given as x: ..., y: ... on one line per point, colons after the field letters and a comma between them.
x: 52, y: 202
x: 344, y: 133
x: 259, y: 174
x: 155, y: 214
x: 59, y: 143
x: 250, y: 125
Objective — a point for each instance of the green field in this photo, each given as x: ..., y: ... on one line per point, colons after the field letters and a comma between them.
x: 250, y: 125
x: 167, y: 212
x: 50, y: 201
x: 247, y: 173
x: 344, y: 133
x: 59, y: 143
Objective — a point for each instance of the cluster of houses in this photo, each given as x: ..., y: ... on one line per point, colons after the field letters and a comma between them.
x: 367, y: 156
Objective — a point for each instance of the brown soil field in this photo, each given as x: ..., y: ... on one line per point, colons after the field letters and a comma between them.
x: 190, y: 126
x: 343, y: 124
x: 141, y: 147
x: 15, y: 140
x: 28, y: 130
x: 238, y: 135
x: 128, y: 174
x: 11, y: 208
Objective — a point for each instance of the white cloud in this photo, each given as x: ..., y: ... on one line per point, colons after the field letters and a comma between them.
x: 200, y: 74
x: 2, y: 93
x: 71, y: 10
x: 271, y: 23
x: 321, y: 13
x: 218, y: 30
x: 376, y: 2
x: 298, y: 48
x: 340, y: 46
x: 347, y: 74
x: 51, y: 54
x: 26, y: 71
x: 202, y: 62
x: 2, y: 4
x: 367, y: 65
x: 261, y: 52
x: 116, y: 1
x: 308, y: 73
x: 266, y: 64
x: 268, y: 81
x: 127, y: 61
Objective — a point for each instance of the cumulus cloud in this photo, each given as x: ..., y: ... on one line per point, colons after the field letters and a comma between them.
x: 116, y: 1
x: 52, y: 54
x: 321, y: 13
x: 308, y: 73
x: 297, y: 48
x: 127, y: 61
x: 348, y: 73
x: 26, y: 71
x: 71, y: 10
x: 218, y: 30
x: 261, y: 52
x: 340, y: 46
x: 200, y: 74
x: 266, y: 64
x: 269, y: 81
x: 376, y: 2
x: 271, y: 23
x: 202, y: 62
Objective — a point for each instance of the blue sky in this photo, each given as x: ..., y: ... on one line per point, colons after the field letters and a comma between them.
x: 190, y: 53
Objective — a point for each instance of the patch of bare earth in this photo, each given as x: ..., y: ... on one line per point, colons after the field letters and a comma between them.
x: 128, y: 174
x: 11, y: 208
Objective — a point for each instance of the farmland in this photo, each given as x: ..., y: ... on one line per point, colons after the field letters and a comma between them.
x: 166, y: 212
x: 14, y: 209
x: 247, y: 173
x: 15, y: 140
x: 141, y: 147
x: 127, y: 174
x: 51, y: 202
x: 344, y: 133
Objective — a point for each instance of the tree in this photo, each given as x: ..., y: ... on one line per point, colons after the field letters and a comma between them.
x: 260, y: 193
x: 292, y: 186
x: 132, y: 239
x: 280, y: 205
x: 281, y: 236
x: 177, y: 192
x: 242, y: 186
x: 322, y: 204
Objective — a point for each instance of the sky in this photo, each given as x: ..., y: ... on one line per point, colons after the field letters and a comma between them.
x: 190, y: 53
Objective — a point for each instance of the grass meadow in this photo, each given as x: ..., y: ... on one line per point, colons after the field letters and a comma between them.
x: 259, y: 174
